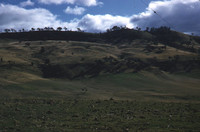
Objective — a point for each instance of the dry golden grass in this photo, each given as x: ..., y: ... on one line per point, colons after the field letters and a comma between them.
x: 69, y: 52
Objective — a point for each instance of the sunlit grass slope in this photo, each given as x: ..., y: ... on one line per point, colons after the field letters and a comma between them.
x: 22, y: 77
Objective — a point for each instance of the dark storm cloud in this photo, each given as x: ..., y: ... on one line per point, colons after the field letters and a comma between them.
x: 183, y: 16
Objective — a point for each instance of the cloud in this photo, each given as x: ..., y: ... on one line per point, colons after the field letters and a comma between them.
x: 183, y: 16
x: 77, y: 2
x: 99, y: 23
x: 76, y: 11
x: 12, y: 16
x: 27, y: 3
x: 180, y: 15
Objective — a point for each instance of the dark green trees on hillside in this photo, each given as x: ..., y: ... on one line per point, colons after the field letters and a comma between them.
x: 33, y: 29
x: 7, y: 30
x: 59, y: 29
x: 65, y: 28
x: 162, y: 30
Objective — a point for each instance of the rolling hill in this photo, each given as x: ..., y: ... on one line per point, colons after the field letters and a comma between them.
x: 147, y: 76
x: 116, y: 53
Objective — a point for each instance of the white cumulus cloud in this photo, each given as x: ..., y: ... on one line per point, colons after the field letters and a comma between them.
x: 76, y: 11
x: 97, y: 23
x: 27, y: 3
x: 77, y: 2
x: 12, y: 16
x: 181, y: 15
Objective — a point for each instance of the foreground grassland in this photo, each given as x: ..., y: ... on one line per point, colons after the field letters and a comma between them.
x: 43, y: 115
x: 150, y: 99
x: 123, y: 102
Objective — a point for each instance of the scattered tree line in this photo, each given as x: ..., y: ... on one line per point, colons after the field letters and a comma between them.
x: 114, y: 28
x: 162, y: 29
x: 7, y: 30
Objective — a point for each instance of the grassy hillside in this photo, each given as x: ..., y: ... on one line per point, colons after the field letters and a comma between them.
x: 110, y: 82
x: 137, y: 70
x: 77, y: 59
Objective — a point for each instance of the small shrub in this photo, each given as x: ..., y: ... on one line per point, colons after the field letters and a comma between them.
x: 46, y: 61
x: 82, y: 59
x: 42, y: 50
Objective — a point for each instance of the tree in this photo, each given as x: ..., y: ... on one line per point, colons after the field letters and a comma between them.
x: 160, y: 30
x: 12, y: 30
x: 7, y: 30
x: 108, y: 30
x: 32, y: 29
x: 59, y: 29
x: 51, y: 29
x: 152, y: 30
x: 137, y: 28
x: 79, y: 30
x: 46, y: 29
x: 38, y: 29
x: 123, y: 27
x: 115, y: 28
x: 65, y: 28
x: 147, y: 29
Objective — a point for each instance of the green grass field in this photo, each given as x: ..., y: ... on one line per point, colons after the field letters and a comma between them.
x: 97, y: 115
x: 123, y: 102
x: 146, y: 86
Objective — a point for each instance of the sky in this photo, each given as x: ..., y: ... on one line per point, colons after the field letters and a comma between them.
x: 100, y: 15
